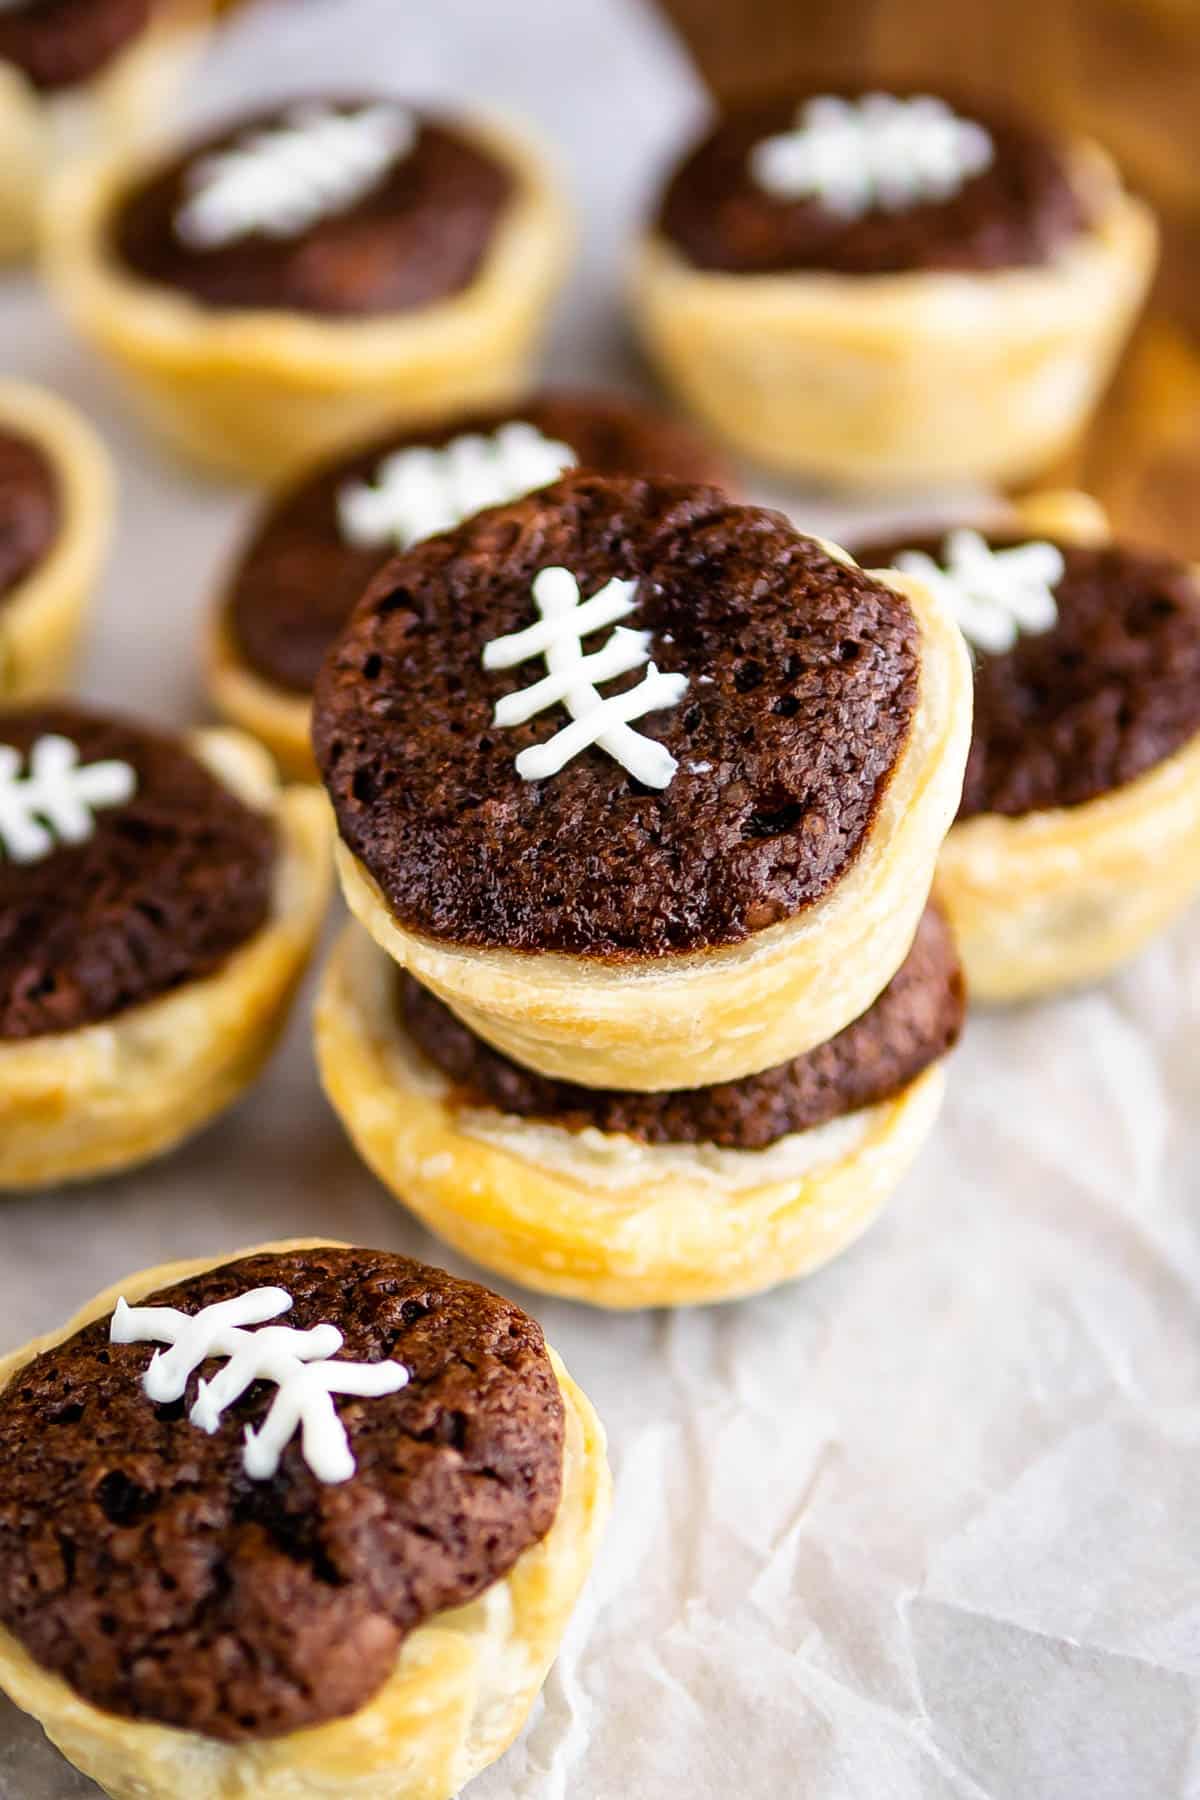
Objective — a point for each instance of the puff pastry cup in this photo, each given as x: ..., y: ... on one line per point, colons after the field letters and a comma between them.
x: 258, y: 393
x: 1060, y: 896
x: 597, y: 1216
x: 41, y: 619
x: 462, y: 1686
x: 120, y: 107
x: 909, y: 379
x: 718, y: 1014
x: 112, y: 1095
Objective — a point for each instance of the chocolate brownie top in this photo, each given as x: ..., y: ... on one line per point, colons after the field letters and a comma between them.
x: 140, y: 1562
x: 297, y: 582
x: 1020, y: 211
x: 168, y: 885
x: 29, y: 508
x: 62, y: 43
x: 916, y: 1020
x: 1071, y: 713
x: 417, y: 236
x: 802, y: 675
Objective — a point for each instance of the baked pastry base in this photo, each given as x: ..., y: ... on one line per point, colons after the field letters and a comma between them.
x: 113, y: 1095
x: 39, y: 132
x: 41, y: 619
x: 717, y: 1015
x: 257, y: 394
x: 1060, y: 897
x: 463, y: 1684
x: 590, y: 1215
x: 903, y: 380
x: 279, y: 720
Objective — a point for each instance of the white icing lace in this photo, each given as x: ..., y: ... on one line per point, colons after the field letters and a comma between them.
x: 282, y: 179
x: 572, y: 680
x: 55, y: 802
x: 297, y: 1362
x: 419, y: 491
x: 993, y: 594
x: 854, y: 156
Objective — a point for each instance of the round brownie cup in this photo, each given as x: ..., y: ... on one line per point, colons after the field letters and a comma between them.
x: 300, y: 576
x: 168, y: 885
x: 417, y: 236
x: 802, y: 678
x: 1019, y: 212
x: 1114, y: 688
x: 915, y: 1021
x: 141, y: 1563
x: 29, y: 508
x: 62, y: 43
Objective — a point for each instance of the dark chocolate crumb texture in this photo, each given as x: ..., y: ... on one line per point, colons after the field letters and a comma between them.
x: 735, y: 207
x: 317, y: 546
x: 29, y: 508
x: 339, y: 208
x: 755, y: 701
x: 126, y: 869
x: 1096, y: 689
x: 64, y: 43
x: 146, y: 1564
x: 913, y: 1024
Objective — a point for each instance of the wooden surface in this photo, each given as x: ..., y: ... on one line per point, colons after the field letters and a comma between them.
x: 1126, y: 71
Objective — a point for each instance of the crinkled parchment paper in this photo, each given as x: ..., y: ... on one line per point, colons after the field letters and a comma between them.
x: 926, y: 1527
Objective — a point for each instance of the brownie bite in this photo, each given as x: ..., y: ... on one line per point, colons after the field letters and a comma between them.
x: 1108, y: 691
x: 304, y: 568
x: 1019, y: 211
x: 143, y: 1564
x: 161, y: 890
x: 793, y: 676
x: 414, y: 235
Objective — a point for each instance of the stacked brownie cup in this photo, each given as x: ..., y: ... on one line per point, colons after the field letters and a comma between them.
x: 639, y: 794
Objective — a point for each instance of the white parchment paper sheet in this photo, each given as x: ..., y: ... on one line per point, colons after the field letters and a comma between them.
x: 924, y: 1528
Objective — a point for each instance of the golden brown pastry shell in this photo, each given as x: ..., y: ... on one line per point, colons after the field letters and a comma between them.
x: 110, y: 1096
x: 717, y: 1015
x: 906, y: 380
x: 461, y: 1690
x: 592, y: 1216
x: 42, y: 618
x: 122, y: 106
x: 1056, y: 898
x: 258, y: 394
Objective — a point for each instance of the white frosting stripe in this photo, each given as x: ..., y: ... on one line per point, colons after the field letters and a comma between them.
x: 993, y: 594
x: 877, y: 152
x: 296, y: 1362
x: 418, y: 492
x: 54, y: 803
x: 604, y: 721
x: 282, y: 180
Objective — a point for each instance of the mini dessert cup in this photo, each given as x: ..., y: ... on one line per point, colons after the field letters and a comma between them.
x: 316, y: 545
x: 873, y: 364
x: 1079, y: 835
x: 314, y: 1644
x: 738, y: 888
x: 120, y: 103
x: 256, y: 386
x: 625, y: 1200
x: 169, y: 895
x: 61, y: 479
